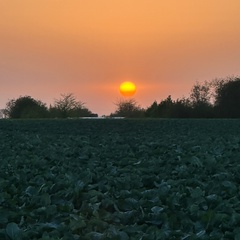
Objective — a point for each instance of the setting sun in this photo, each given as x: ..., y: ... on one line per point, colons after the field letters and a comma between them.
x: 127, y: 89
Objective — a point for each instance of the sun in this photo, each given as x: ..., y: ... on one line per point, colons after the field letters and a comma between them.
x: 127, y: 89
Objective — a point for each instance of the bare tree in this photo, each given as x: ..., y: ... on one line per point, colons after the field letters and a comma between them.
x: 200, y: 93
x: 128, y: 108
x: 68, y: 106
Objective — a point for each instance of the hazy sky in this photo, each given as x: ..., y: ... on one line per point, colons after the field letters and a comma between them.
x: 88, y: 47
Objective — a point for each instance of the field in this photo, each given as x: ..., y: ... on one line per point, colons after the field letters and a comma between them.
x: 120, y: 179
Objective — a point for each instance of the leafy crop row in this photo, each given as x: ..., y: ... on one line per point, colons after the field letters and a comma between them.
x: 120, y: 179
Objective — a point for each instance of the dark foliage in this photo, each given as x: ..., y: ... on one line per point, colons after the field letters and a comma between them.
x: 120, y: 179
x: 228, y: 99
x: 200, y: 96
x: 169, y: 109
x: 128, y: 108
x: 65, y: 107
x: 26, y: 107
x: 217, y: 98
x: 68, y: 106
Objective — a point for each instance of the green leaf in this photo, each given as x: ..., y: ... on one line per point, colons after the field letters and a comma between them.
x: 195, y: 161
x: 3, y: 219
x: 197, y: 192
x: 31, y: 191
x: 45, y: 199
x: 157, y: 210
x: 13, y: 231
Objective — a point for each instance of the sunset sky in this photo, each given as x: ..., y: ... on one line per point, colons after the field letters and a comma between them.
x: 88, y: 47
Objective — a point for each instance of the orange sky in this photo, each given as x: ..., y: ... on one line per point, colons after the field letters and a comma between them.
x: 88, y: 47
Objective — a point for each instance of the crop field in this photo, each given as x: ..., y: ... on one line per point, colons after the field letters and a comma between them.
x: 119, y: 179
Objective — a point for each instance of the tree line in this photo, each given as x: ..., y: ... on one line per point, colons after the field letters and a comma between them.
x: 219, y: 98
x: 65, y: 107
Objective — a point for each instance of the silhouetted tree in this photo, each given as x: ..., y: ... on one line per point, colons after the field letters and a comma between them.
x: 25, y: 107
x: 128, y: 108
x: 168, y: 108
x: 68, y: 106
x: 200, y: 100
x: 165, y: 107
x: 200, y: 93
x: 227, y: 103
x: 181, y: 108
x: 152, y: 111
